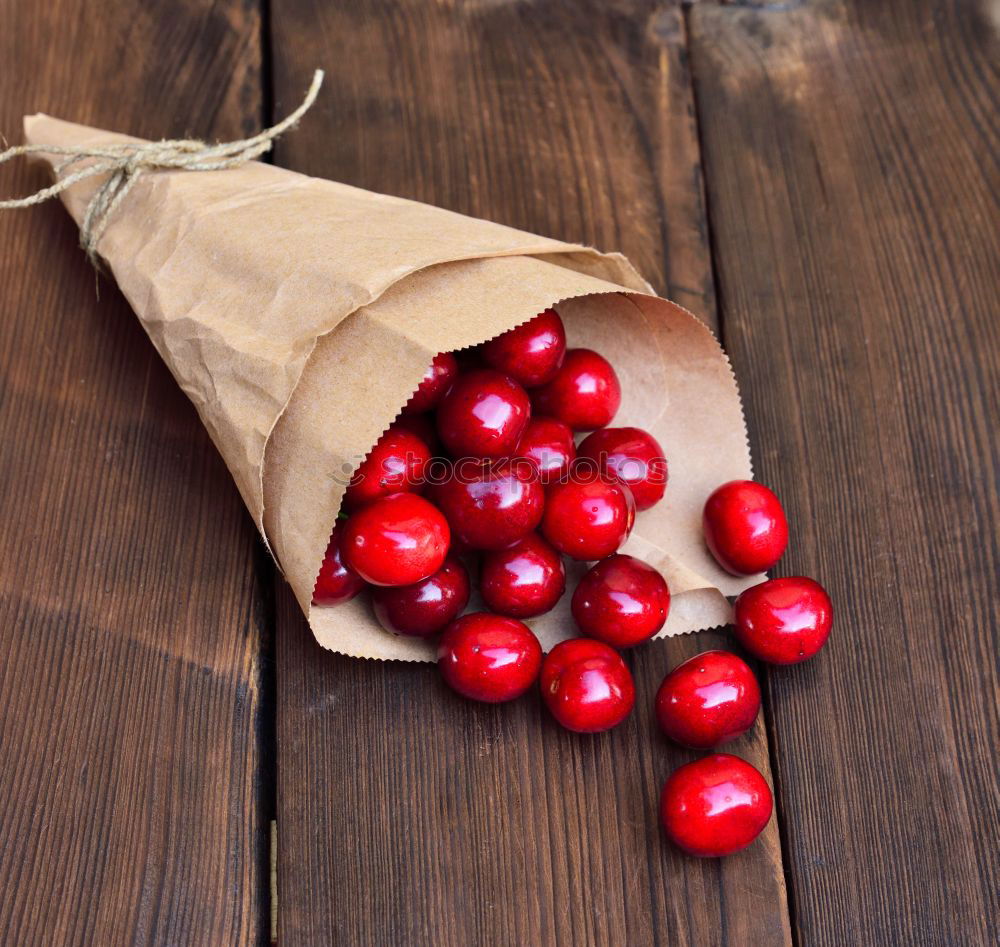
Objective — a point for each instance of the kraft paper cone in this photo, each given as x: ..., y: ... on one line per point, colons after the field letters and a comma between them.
x: 299, y: 314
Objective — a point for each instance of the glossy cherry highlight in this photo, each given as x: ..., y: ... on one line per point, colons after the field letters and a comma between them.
x: 426, y: 607
x: 532, y: 353
x: 395, y: 464
x: 784, y: 621
x: 490, y: 506
x: 745, y: 527
x: 586, y: 685
x: 632, y: 455
x: 621, y: 601
x: 587, y: 515
x: 524, y: 580
x: 585, y: 393
x: 488, y: 657
x: 397, y: 540
x: 484, y: 414
x: 548, y: 444
x: 709, y: 699
x: 715, y: 806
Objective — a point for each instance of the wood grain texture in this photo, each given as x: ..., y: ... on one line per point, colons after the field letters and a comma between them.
x: 851, y: 159
x: 130, y: 619
x: 407, y: 815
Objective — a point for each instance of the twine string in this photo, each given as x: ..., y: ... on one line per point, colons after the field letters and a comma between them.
x: 125, y: 163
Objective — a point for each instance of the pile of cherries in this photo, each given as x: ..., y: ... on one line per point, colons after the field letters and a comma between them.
x: 482, y: 461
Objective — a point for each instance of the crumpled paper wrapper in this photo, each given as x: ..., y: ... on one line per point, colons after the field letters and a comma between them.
x: 299, y: 314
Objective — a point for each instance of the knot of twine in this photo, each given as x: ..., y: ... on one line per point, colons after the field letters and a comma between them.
x: 125, y: 163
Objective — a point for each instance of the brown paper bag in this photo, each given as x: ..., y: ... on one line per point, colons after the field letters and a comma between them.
x: 299, y: 314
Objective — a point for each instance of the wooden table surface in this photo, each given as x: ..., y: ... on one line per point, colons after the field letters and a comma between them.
x: 818, y: 181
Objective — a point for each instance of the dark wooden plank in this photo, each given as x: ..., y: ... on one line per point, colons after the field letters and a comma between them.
x: 851, y: 153
x: 405, y: 814
x: 130, y: 615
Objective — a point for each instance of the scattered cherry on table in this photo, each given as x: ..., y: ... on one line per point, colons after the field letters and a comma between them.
x: 586, y: 685
x: 709, y: 699
x: 584, y: 394
x: 514, y: 469
x: 524, y: 580
x: 715, y: 806
x: 489, y: 657
x: 745, y: 527
x: 632, y: 455
x: 587, y: 515
x: 621, y: 601
x: 784, y: 621
x: 426, y: 607
x: 397, y: 540
x: 335, y: 583
x: 531, y: 353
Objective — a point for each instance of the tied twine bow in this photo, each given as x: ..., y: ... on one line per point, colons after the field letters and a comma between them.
x: 125, y: 163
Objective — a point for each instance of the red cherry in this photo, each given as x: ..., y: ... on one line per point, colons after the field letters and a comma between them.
x: 587, y: 515
x: 434, y: 385
x: 532, y: 353
x: 420, y: 425
x: 621, y: 601
x: 633, y: 456
x: 715, y: 806
x: 490, y: 506
x: 548, y: 444
x: 745, y: 527
x: 523, y: 581
x: 586, y: 685
x: 424, y: 608
x: 394, y: 465
x: 397, y: 540
x: 487, y: 657
x: 335, y: 583
x: 585, y: 393
x: 784, y: 621
x: 483, y: 415
x: 709, y: 699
